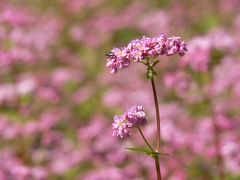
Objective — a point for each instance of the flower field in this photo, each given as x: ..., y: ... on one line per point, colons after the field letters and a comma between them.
x: 75, y: 90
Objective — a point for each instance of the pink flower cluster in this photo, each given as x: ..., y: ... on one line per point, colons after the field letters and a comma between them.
x: 25, y: 37
x: 134, y: 117
x: 103, y: 25
x: 140, y: 49
x: 200, y: 51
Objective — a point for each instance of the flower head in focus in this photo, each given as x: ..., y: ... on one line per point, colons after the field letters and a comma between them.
x: 140, y: 49
x: 133, y: 117
x: 121, y: 126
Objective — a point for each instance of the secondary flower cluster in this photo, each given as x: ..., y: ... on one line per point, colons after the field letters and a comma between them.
x: 135, y: 116
x: 140, y: 49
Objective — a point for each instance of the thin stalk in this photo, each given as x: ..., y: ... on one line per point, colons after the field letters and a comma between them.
x: 144, y: 138
x: 157, y: 114
x: 158, y: 169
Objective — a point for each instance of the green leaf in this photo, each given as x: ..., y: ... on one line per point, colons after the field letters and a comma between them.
x: 141, y: 150
x: 147, y: 152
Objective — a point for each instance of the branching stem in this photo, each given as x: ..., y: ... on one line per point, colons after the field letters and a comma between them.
x: 150, y: 147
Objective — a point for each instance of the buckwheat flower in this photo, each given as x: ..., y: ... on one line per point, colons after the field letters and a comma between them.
x: 136, y: 116
x: 118, y: 59
x: 133, y: 117
x: 144, y: 48
x: 121, y: 126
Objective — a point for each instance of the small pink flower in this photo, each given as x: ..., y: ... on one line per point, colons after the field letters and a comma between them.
x: 134, y: 117
x: 121, y: 126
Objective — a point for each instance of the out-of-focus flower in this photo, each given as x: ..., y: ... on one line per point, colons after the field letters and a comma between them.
x: 14, y: 16
x: 8, y: 129
x: 228, y: 69
x: 25, y: 86
x: 136, y: 115
x: 201, y: 49
x: 199, y: 54
x: 63, y: 75
x: 95, y: 126
x: 7, y: 93
x: 99, y: 28
x: 107, y: 173
x: 230, y: 151
x: 179, y: 81
x: 48, y: 94
x: 140, y: 49
x: 25, y: 37
x: 154, y: 21
x: 83, y: 94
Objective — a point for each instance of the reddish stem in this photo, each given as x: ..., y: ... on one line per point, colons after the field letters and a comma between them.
x: 158, y: 169
x: 157, y: 114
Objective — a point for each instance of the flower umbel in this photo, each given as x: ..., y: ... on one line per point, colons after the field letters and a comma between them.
x: 133, y: 117
x: 140, y: 49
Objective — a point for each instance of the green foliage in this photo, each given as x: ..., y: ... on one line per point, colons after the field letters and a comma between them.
x: 124, y: 36
x: 200, y: 109
x: 147, y: 152
x: 171, y: 96
x: 231, y: 177
x: 119, y: 4
x: 216, y: 57
x: 162, y: 3
x: 200, y: 78
x: 71, y: 87
x: 200, y: 170
x: 202, y: 25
